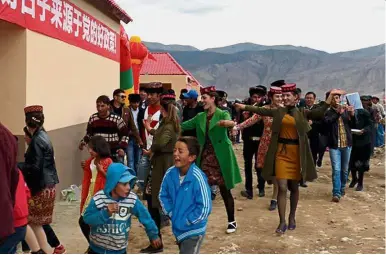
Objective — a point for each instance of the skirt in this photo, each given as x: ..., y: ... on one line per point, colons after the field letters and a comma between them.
x: 287, y: 165
x: 41, y: 207
x: 211, y: 167
x: 360, y: 158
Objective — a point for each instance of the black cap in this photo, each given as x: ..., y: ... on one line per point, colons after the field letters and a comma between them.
x: 134, y: 98
x: 278, y: 83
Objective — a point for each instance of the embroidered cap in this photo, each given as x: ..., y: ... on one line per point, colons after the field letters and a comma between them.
x: 207, y: 90
x: 291, y: 87
x: 275, y: 90
x: 153, y: 87
x: 33, y: 108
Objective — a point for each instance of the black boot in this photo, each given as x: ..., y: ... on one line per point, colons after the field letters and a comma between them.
x: 273, y: 205
x: 360, y: 181
x: 354, y: 179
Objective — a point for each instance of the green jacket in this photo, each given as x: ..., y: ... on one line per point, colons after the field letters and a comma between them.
x: 221, y: 144
x: 308, y: 170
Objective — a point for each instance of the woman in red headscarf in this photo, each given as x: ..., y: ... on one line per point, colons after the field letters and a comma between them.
x: 289, y: 155
x: 276, y: 100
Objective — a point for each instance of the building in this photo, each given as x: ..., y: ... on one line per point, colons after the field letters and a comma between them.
x: 166, y: 69
x: 62, y: 55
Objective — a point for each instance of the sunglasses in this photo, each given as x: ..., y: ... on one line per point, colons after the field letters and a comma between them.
x: 123, y: 96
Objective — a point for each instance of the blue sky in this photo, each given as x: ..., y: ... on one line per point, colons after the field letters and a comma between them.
x: 329, y: 25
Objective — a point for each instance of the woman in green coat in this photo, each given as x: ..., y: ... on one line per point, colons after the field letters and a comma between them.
x: 217, y: 158
x: 289, y: 155
x: 161, y: 152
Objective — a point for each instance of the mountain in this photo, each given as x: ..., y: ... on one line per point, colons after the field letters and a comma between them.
x: 235, y: 68
x: 154, y: 46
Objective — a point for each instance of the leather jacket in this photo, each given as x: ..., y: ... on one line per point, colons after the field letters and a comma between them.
x: 39, y: 168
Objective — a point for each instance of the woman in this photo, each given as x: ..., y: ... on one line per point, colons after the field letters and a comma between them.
x: 275, y: 97
x: 40, y: 175
x: 161, y: 152
x: 217, y: 158
x: 289, y: 155
x: 361, y: 149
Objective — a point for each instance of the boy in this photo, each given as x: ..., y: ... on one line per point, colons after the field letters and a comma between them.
x: 109, y: 213
x: 185, y: 196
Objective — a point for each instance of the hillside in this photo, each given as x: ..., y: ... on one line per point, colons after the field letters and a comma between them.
x: 237, y: 67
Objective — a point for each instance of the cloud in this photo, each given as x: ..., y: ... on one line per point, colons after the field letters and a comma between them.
x: 201, y: 9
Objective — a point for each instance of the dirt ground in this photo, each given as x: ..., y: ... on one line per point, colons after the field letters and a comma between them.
x: 355, y: 225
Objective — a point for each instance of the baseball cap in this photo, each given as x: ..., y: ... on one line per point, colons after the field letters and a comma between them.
x: 125, y: 177
x: 191, y: 94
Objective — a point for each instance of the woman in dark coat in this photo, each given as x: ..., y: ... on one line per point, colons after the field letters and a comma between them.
x: 161, y: 151
x: 289, y: 155
x: 361, y: 149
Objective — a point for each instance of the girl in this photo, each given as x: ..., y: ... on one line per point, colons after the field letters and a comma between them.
x: 276, y: 100
x: 217, y: 158
x: 94, y: 175
x: 40, y: 175
x: 289, y: 155
x: 164, y: 139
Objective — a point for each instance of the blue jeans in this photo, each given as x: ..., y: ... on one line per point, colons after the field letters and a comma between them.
x: 380, y: 136
x: 133, y: 153
x: 340, y: 159
x: 143, y: 167
x: 9, y: 246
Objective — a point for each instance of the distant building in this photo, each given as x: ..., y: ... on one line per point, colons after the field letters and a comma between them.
x: 166, y: 70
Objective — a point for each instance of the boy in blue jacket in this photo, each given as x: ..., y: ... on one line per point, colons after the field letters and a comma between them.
x: 109, y: 213
x: 185, y: 196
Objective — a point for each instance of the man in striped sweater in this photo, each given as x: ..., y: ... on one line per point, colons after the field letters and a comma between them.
x: 110, y: 126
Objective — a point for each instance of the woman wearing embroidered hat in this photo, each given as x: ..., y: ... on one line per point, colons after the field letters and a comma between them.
x: 217, y: 158
x: 289, y: 156
x: 161, y: 152
x: 40, y: 175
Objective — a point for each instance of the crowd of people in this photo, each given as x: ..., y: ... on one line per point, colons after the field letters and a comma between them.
x: 176, y: 155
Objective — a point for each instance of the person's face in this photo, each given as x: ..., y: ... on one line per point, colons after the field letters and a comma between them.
x: 92, y: 152
x: 102, y: 108
x: 207, y: 101
x: 310, y: 100
x: 335, y: 100
x: 256, y: 99
x: 182, y: 159
x: 143, y: 95
x: 185, y: 102
x: 277, y: 99
x: 289, y: 99
x: 134, y: 105
x: 27, y: 139
x: 122, y: 189
x: 153, y: 98
x: 189, y: 101
x: 375, y: 101
x: 120, y: 98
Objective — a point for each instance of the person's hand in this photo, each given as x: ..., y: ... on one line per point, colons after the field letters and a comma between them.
x: 99, y: 166
x: 146, y: 124
x: 81, y: 145
x: 156, y: 243
x: 238, y: 106
x: 310, y: 122
x: 83, y: 163
x: 112, y: 208
x: 362, y: 131
x: 140, y: 144
x: 226, y: 123
x: 121, y: 153
x: 146, y: 152
x: 235, y: 130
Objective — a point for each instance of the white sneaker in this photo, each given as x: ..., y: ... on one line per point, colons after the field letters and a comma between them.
x: 232, y: 226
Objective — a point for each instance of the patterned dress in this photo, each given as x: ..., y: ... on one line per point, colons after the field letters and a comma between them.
x: 209, y: 162
x: 265, y: 138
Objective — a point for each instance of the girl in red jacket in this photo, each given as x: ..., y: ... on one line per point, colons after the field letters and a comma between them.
x: 94, y: 175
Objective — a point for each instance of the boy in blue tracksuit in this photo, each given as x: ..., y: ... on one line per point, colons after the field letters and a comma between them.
x: 109, y: 213
x: 185, y: 196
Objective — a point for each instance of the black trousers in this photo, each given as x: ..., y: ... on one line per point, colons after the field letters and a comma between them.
x: 52, y: 239
x: 315, y: 146
x: 249, y: 151
x: 154, y: 213
x: 85, y: 228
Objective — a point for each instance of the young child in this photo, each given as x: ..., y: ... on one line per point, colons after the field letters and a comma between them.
x: 185, y: 196
x: 109, y: 213
x: 94, y: 175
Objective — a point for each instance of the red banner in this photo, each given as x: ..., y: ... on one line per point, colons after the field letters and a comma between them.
x: 64, y: 21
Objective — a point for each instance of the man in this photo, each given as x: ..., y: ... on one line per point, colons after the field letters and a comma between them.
x: 153, y: 113
x: 108, y: 125
x: 134, y: 150
x: 380, y: 128
x: 222, y: 101
x: 181, y: 103
x: 338, y: 122
x: 191, y: 109
x: 143, y: 95
x: 302, y: 102
x: 9, y: 177
x: 118, y: 107
x: 251, y: 137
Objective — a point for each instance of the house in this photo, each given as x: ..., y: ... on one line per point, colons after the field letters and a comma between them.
x: 166, y: 69
x: 61, y: 54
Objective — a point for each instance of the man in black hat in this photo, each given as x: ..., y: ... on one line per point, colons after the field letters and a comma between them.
x: 278, y: 83
x: 251, y: 137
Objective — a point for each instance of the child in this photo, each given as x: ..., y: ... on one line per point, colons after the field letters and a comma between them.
x: 109, y: 213
x: 185, y: 196
x: 94, y: 175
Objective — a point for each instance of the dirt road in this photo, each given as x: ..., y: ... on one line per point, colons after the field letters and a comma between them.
x: 355, y: 225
